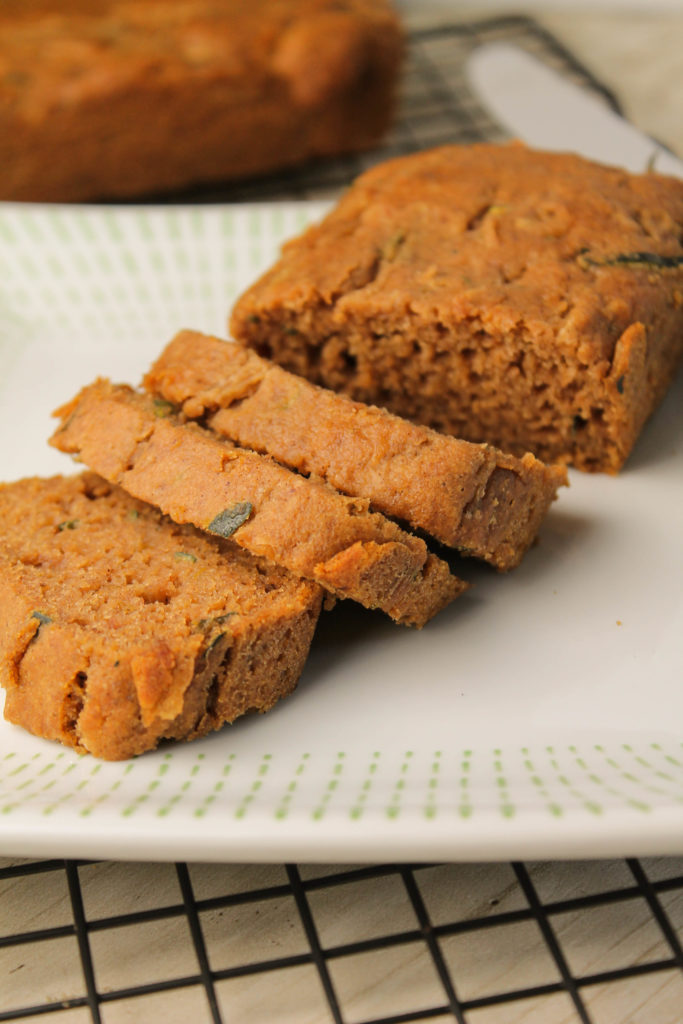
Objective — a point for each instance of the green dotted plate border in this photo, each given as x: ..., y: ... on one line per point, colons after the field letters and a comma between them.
x: 555, y: 781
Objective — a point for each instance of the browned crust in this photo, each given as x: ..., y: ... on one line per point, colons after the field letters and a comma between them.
x: 302, y: 524
x: 468, y: 496
x: 531, y: 300
x: 248, y: 88
x: 119, y: 628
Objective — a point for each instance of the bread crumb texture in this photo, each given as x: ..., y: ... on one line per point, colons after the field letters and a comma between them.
x: 472, y: 497
x: 499, y: 294
x: 139, y: 442
x: 120, y: 628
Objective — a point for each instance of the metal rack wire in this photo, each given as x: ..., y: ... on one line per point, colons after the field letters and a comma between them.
x: 431, y: 938
x: 420, y: 948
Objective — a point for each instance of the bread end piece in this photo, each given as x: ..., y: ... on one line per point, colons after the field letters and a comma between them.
x: 120, y: 629
x: 495, y: 293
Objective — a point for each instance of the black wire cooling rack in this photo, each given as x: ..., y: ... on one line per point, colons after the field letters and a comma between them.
x: 596, y: 943
x: 276, y: 943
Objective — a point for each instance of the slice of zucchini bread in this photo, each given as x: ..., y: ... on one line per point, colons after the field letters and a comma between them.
x: 469, y: 496
x: 119, y: 628
x: 137, y: 441
x: 531, y: 300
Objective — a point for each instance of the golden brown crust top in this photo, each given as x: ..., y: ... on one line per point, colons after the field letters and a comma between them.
x: 54, y: 54
x: 499, y: 236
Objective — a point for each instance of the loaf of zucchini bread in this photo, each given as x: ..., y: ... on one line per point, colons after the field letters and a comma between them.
x: 120, y: 98
x: 496, y: 293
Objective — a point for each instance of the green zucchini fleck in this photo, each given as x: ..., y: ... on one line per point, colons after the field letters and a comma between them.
x: 162, y: 408
x: 43, y: 620
x: 651, y: 260
x: 215, y: 640
x: 207, y: 625
x: 68, y: 524
x: 184, y: 556
x: 215, y: 620
x: 230, y: 519
x: 224, y: 617
x: 620, y: 384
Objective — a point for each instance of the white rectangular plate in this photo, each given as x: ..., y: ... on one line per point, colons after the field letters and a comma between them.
x: 540, y: 715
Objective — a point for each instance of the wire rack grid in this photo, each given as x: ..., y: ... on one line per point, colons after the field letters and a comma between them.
x: 596, y: 943
x: 386, y: 944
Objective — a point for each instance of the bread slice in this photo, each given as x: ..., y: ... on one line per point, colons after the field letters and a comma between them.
x: 472, y: 497
x: 303, y: 524
x: 120, y: 628
x: 496, y: 293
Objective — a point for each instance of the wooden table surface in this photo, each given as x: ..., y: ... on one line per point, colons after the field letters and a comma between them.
x: 545, y: 943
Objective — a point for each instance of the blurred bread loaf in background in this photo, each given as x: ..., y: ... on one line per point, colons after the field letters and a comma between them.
x: 123, y: 98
